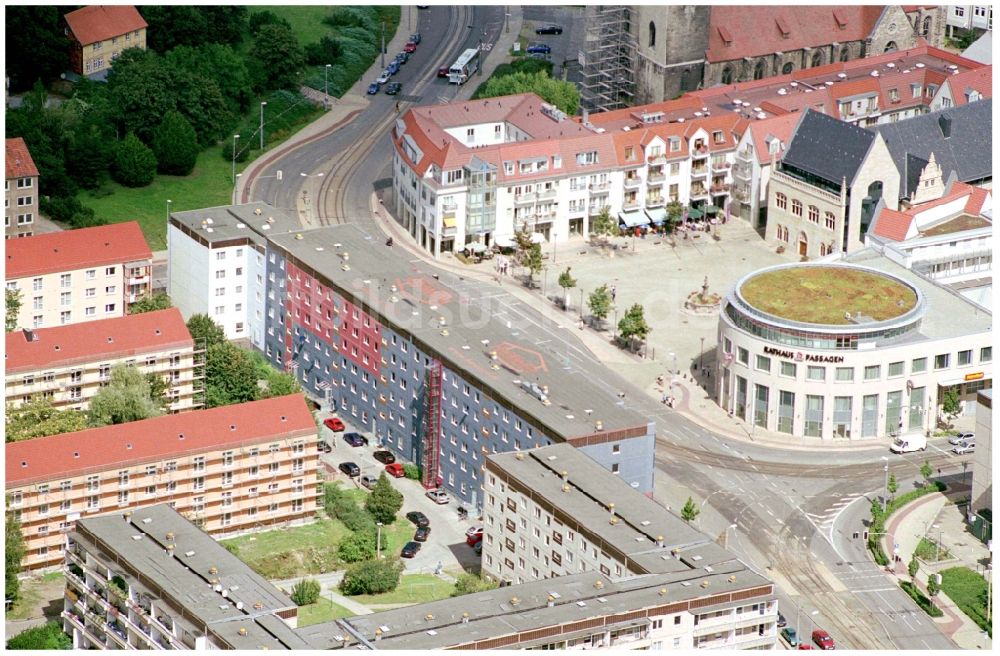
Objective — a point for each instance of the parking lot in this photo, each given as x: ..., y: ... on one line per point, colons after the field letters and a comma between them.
x: 446, y: 547
x: 564, y: 46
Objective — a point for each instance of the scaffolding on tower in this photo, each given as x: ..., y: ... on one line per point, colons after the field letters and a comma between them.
x: 608, y: 58
x: 430, y: 451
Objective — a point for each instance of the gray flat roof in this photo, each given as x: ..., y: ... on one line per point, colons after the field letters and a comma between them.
x: 184, y: 578
x: 227, y: 219
x: 948, y: 313
x: 412, y: 297
x: 641, y: 521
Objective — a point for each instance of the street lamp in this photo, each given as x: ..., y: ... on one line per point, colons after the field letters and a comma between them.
x: 731, y: 526
x: 236, y: 138
x: 506, y: 19
x: 262, y: 103
x: 555, y: 236
x: 674, y: 356
x: 937, y: 545
x: 168, y: 209
x: 305, y: 192
x: 798, y: 622
x: 581, y: 304
x: 885, y: 487
x: 701, y: 357
x: 378, y: 542
x: 326, y: 87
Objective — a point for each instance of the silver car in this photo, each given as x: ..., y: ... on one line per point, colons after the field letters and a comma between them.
x: 964, y: 447
x: 961, y: 437
x: 384, y: 77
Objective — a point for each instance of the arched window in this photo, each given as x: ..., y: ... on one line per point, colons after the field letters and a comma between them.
x: 787, y: 68
x: 890, y: 47
x: 926, y: 28
x: 781, y: 200
x: 814, y: 214
x: 796, y: 207
x: 686, y: 80
x: 652, y: 34
x: 817, y: 59
x: 758, y: 70
x: 727, y: 75
x: 829, y: 220
x: 845, y: 53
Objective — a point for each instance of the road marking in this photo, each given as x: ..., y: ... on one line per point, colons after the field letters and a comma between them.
x: 778, y: 519
x: 768, y: 511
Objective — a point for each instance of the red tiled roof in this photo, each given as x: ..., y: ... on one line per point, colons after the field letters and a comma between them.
x: 976, y: 199
x: 19, y: 162
x: 123, y: 445
x: 979, y: 79
x: 764, y: 29
x: 76, y: 249
x: 100, y: 22
x: 893, y: 224
x: 93, y: 340
x: 778, y: 126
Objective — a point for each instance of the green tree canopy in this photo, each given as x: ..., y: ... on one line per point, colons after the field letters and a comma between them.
x: 470, y: 583
x: 633, y: 325
x: 690, y: 511
x: 11, y: 307
x: 305, y: 592
x: 134, y: 163
x: 533, y: 261
x: 603, y: 225
x: 279, y: 57
x: 175, y: 145
x: 230, y: 376
x: 150, y: 303
x: 675, y: 212
x: 171, y: 26
x: 384, y: 501
x: 36, y: 46
x: 892, y: 485
x: 567, y: 281
x: 359, y: 546
x: 221, y: 64
x: 371, y: 577
x: 38, y: 418
x: 205, y: 331
x: 325, y: 51
x: 950, y: 404
x: 599, y: 302
x: 47, y: 636
x: 141, y: 90
x: 127, y: 397
x: 14, y: 551
x: 926, y: 471
x: 563, y: 95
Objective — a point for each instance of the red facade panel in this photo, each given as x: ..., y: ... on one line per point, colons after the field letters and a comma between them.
x: 360, y: 338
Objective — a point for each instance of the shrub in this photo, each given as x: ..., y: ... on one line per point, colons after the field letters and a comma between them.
x: 242, y: 151
x: 371, y: 577
x: 339, y: 504
x: 469, y: 583
x: 69, y: 210
x: 357, y: 547
x: 926, y: 604
x: 412, y: 471
x: 384, y: 501
x: 175, y: 144
x: 46, y: 636
x: 305, y: 592
x: 134, y: 163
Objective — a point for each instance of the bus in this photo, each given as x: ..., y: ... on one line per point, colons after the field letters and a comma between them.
x: 463, y: 69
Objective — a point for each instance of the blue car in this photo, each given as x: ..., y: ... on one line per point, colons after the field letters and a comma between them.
x: 373, y: 88
x: 393, y: 68
x: 539, y: 48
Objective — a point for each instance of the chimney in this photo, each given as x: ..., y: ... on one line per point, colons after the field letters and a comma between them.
x: 944, y: 122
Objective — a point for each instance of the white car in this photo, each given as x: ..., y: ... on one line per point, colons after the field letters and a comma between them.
x: 964, y: 447
x: 438, y: 496
x: 961, y: 437
x: 472, y: 531
x: 384, y: 77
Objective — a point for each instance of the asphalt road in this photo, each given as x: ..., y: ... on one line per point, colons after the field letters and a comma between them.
x: 788, y: 505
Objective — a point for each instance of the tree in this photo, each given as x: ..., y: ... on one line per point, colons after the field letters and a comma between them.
x: 599, y: 302
x: 325, y: 51
x: 279, y: 56
x: 384, y: 501
x: 926, y: 471
x: 12, y: 307
x: 175, y: 145
x: 933, y: 587
x: 533, y: 262
x: 230, y: 376
x: 892, y: 485
x: 266, y: 17
x: 13, y: 554
x: 38, y: 418
x: 219, y: 63
x: 150, y: 303
x: 141, y: 90
x: 371, y: 577
x: 280, y: 383
x: 305, y: 592
x: 358, y: 546
x: 134, y: 163
x: 563, y: 95
x: 690, y: 511
x: 36, y: 46
x: 675, y: 213
x: 204, y: 331
x: 88, y: 155
x: 633, y: 325
x: 951, y: 406
x: 913, y: 567
x: 567, y: 282
x: 47, y: 636
x: 127, y: 397
x: 603, y: 225
x: 158, y: 387
x: 470, y: 583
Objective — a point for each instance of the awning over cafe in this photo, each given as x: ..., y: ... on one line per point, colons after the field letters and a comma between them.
x: 633, y: 219
x: 657, y: 215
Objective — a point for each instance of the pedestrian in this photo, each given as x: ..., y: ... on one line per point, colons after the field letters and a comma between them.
x: 397, y: 107
x: 614, y: 292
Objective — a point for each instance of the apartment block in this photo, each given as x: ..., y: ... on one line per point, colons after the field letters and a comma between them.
x: 81, y: 275
x: 230, y: 469
x: 977, y: 18
x: 68, y: 365
x: 20, y: 190
x: 98, y: 34
x: 149, y: 579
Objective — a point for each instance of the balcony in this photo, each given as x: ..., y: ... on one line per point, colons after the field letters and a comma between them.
x: 656, y: 159
x: 630, y: 205
x: 658, y: 201
x: 600, y: 186
x: 744, y: 156
x: 633, y: 181
x: 720, y: 166
x: 77, y: 622
x: 719, y: 189
x: 743, y: 170
x: 546, y: 194
x: 742, y: 194
x: 698, y: 191
x: 699, y: 152
x: 699, y: 171
x: 655, y: 178
x: 448, y: 207
x: 523, y: 199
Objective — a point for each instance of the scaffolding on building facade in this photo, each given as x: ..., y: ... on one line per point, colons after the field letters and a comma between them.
x: 609, y: 58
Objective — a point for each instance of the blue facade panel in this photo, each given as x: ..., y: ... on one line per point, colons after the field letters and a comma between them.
x: 631, y: 459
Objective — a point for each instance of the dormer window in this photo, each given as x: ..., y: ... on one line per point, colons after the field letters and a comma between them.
x: 783, y: 27
x: 629, y: 153
x: 718, y: 137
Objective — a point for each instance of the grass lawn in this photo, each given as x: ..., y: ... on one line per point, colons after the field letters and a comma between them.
x: 928, y: 549
x: 413, y: 589
x: 323, y: 610
x: 822, y: 294
x: 306, y: 20
x: 968, y: 590
x: 37, y: 595
x: 297, y: 551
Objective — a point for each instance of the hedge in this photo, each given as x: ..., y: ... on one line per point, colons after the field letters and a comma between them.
x: 926, y: 604
x: 879, y: 519
x: 968, y: 590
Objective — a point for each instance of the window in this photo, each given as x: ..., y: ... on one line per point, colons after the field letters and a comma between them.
x: 65, y: 280
x: 844, y: 374
x: 109, y: 307
x: 829, y: 220
x: 788, y: 369
x: 796, y: 207
x: 36, y: 284
x: 816, y: 373
x: 895, y: 369
x: 941, y: 361
x: 814, y: 214
x: 110, y: 289
x: 199, y: 482
x: 781, y: 200
x: 919, y: 365
x: 652, y: 34
x: 110, y: 271
x: 763, y: 363
x: 743, y: 355
x: 220, y: 274
x: 873, y: 372
x: 964, y: 358
x: 986, y: 354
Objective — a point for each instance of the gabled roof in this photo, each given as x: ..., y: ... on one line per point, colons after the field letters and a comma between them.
x: 979, y: 80
x: 100, y: 22
x: 899, y: 225
x: 968, y: 151
x: 892, y: 224
x: 779, y: 127
x: 150, y: 440
x: 19, y: 162
x: 76, y: 249
x: 828, y: 148
x: 148, y: 332
x: 981, y: 49
x: 764, y: 29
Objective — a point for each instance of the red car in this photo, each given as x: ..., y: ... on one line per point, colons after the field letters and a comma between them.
x: 334, y: 424
x: 410, y: 47
x: 395, y: 469
x: 443, y: 71
x: 823, y: 639
x: 474, y: 536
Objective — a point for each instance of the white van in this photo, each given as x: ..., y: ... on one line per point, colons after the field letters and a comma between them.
x: 907, y: 443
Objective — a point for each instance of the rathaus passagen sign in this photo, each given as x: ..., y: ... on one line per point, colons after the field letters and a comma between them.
x: 799, y: 356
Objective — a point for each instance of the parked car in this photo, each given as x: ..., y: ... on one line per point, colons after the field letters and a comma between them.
x: 393, y: 68
x: 539, y: 47
x: 373, y: 88
x: 805, y: 645
x: 333, y: 423
x: 548, y: 29
x: 384, y: 77
x: 403, y: 57
x: 788, y: 633
x: 368, y: 481
x: 355, y: 439
x: 443, y: 71
x: 823, y: 639
x: 393, y: 88
x: 964, y: 447
x: 418, y: 518
x: 782, y: 622
x: 422, y: 533
x: 474, y: 538
x: 438, y: 496
x: 350, y: 469
x: 410, y: 47
x: 395, y: 470
x: 474, y: 530
x: 415, y: 37
x: 961, y: 437
x: 478, y: 548
x: 385, y: 457
x: 323, y: 447
x: 410, y: 549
